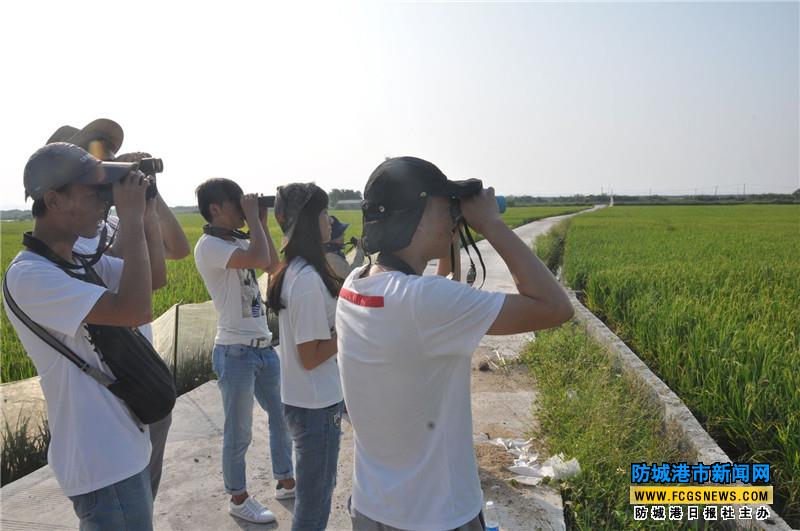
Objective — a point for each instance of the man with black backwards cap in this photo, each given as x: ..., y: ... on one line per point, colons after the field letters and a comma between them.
x: 103, y: 139
x: 98, y: 453
x: 405, y: 343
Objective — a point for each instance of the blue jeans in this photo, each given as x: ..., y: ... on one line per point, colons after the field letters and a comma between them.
x: 245, y: 372
x: 316, y: 434
x: 127, y: 504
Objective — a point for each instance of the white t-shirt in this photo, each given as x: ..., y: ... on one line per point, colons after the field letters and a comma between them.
x: 89, y: 246
x: 94, y: 443
x: 309, y: 313
x: 241, y: 314
x: 405, y: 343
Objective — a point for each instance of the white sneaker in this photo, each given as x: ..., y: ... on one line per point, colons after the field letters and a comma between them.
x: 252, y: 511
x: 282, y: 493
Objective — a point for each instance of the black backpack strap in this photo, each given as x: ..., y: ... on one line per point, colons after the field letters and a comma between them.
x: 98, y: 375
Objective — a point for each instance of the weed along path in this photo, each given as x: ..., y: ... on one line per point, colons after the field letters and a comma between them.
x: 191, y: 497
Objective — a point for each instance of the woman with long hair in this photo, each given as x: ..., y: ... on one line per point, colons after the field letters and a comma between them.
x: 303, y: 291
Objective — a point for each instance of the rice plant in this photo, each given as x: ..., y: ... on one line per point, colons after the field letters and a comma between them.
x: 708, y: 296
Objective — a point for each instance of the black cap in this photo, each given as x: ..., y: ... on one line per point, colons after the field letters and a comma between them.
x: 61, y: 163
x: 98, y: 137
x: 395, y: 198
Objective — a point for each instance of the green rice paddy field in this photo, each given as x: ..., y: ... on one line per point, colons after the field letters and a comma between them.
x: 709, y: 297
x: 184, y: 282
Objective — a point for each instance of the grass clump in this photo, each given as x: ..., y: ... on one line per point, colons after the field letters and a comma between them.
x: 588, y: 411
x: 549, y: 247
x: 24, y: 448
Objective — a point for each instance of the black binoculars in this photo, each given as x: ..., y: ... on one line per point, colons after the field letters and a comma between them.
x: 148, y: 166
x: 266, y: 201
x: 151, y: 166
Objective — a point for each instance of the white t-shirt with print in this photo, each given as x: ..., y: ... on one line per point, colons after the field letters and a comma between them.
x: 241, y: 314
x: 94, y: 442
x: 89, y: 246
x: 308, y: 314
x: 405, y: 343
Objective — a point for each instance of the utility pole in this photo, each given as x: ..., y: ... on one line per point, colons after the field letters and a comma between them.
x: 715, y: 190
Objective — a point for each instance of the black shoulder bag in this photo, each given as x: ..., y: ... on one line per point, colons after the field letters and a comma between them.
x: 141, y: 378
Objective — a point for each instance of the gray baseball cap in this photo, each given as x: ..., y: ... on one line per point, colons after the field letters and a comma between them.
x: 62, y: 163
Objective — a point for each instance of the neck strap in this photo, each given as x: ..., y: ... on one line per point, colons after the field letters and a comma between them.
x: 466, y: 241
x: 220, y: 232
x: 35, y: 245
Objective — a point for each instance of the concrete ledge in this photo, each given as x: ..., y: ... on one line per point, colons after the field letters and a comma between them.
x: 678, y: 420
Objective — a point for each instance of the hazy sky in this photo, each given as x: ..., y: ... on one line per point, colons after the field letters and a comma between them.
x: 534, y: 98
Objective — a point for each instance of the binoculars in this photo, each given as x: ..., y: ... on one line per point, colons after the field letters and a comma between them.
x: 148, y: 166
x: 151, y: 166
x: 266, y: 201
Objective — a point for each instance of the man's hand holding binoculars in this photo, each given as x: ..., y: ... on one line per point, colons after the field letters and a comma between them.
x: 129, y: 197
x: 253, y: 213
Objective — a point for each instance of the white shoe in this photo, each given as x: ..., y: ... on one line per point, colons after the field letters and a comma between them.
x: 252, y: 511
x: 282, y: 493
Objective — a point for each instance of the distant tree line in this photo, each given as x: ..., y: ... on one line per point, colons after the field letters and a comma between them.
x: 580, y: 199
x: 337, y: 195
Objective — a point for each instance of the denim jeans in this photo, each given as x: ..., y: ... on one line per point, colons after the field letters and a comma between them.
x: 316, y: 434
x: 245, y: 372
x: 127, y: 504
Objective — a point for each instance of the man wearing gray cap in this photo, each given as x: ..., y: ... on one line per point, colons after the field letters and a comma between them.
x: 98, y: 453
x: 103, y: 139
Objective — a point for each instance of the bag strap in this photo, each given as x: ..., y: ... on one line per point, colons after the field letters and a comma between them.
x: 43, y: 334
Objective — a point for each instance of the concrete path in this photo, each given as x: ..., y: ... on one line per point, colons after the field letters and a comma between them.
x: 191, y: 496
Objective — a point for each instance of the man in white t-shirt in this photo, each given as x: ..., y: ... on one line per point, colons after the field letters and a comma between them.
x: 245, y: 363
x: 406, y: 340
x: 98, y: 452
x: 103, y: 138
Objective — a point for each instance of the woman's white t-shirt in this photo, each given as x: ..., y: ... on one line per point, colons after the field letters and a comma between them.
x: 308, y: 314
